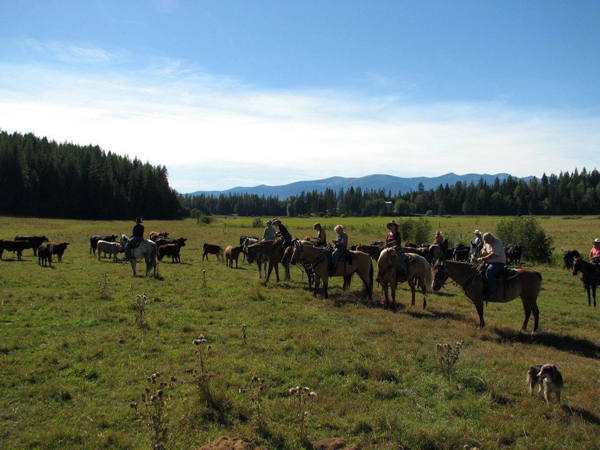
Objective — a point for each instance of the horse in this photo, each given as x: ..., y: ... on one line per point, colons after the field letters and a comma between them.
x: 418, y: 271
x: 252, y: 256
x: 527, y: 284
x: 438, y: 252
x: 272, y: 249
x: 318, y: 258
x: 568, y: 258
x: 373, y: 250
x: 146, y: 249
x: 589, y: 275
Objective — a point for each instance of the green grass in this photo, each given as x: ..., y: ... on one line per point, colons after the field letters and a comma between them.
x: 73, y: 360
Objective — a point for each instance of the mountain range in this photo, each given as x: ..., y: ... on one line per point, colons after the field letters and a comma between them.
x: 371, y: 182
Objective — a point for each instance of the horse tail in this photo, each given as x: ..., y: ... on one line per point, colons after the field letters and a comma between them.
x: 370, y: 279
x: 428, y: 277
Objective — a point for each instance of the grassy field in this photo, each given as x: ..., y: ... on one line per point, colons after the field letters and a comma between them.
x: 73, y: 356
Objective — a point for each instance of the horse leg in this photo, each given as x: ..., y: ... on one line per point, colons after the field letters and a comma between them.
x: 594, y: 292
x: 527, y: 309
x: 325, y: 284
x: 424, y: 291
x: 479, y: 307
x: 133, y: 266
x: 317, y: 282
x: 393, y: 288
x: 277, y: 270
x: 411, y: 283
x: 269, y: 273
x: 385, y: 293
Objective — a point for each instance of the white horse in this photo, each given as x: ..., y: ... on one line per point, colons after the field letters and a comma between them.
x: 146, y: 249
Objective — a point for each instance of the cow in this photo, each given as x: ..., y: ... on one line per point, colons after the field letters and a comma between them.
x: 14, y: 246
x: 34, y: 241
x: 154, y: 235
x: 461, y: 254
x: 569, y: 256
x: 165, y: 241
x: 171, y: 250
x: 109, y: 248
x: 213, y: 250
x: 231, y: 254
x: 45, y: 254
x: 513, y: 253
x: 95, y: 238
x: 58, y: 249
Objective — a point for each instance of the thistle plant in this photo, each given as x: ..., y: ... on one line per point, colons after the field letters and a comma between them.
x: 202, y: 377
x: 154, y: 410
x: 244, y: 333
x: 139, y: 306
x: 104, y: 286
x: 448, y: 356
x: 255, y: 390
x: 302, y: 395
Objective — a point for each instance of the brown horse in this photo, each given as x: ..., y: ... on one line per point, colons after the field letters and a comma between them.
x: 373, y: 250
x: 589, y: 275
x: 318, y: 257
x: 438, y: 252
x: 272, y: 250
x: 418, y: 271
x: 527, y: 284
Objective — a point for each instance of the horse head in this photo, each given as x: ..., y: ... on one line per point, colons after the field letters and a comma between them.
x: 440, y: 275
x: 577, y: 266
x: 298, y: 251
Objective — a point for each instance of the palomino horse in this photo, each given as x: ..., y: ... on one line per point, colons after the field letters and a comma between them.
x: 418, y: 270
x: 146, y: 249
x: 589, y: 275
x: 317, y: 256
x: 527, y: 284
x: 272, y: 249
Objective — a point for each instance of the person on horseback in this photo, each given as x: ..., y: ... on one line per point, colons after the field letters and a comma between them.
x: 393, y: 239
x: 321, y: 237
x: 137, y: 235
x: 269, y: 233
x: 495, y: 257
x: 478, y: 239
x: 341, y: 245
x: 284, y: 233
x: 439, y: 239
x: 595, y: 252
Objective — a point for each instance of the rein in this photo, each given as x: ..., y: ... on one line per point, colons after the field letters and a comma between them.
x: 460, y: 283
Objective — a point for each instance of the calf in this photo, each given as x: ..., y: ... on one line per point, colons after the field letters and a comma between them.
x: 45, y: 254
x: 59, y: 249
x: 109, y: 248
x: 231, y: 254
x: 213, y: 250
x: 95, y: 238
x: 14, y: 246
x: 171, y: 250
x: 34, y: 241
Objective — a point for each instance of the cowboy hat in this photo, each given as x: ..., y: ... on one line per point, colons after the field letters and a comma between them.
x: 276, y: 220
x: 596, y: 241
x: 477, y: 232
x: 317, y: 225
x: 392, y: 222
x: 138, y: 219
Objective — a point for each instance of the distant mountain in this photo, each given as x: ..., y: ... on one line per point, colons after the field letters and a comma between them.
x: 371, y: 182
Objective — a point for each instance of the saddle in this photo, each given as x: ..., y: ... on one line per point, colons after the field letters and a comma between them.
x: 136, y: 243
x: 503, y: 277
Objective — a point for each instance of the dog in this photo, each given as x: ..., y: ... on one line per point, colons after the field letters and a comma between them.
x: 548, y: 377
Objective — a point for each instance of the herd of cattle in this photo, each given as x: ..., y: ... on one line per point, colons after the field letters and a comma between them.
x: 41, y: 245
x: 112, y: 245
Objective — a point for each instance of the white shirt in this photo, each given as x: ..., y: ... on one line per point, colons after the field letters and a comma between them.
x: 498, y: 250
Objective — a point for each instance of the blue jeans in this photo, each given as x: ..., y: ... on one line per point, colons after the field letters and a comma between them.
x: 128, y: 246
x: 490, y: 274
x: 335, y: 256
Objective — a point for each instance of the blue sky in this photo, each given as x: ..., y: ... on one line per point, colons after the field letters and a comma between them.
x: 243, y: 93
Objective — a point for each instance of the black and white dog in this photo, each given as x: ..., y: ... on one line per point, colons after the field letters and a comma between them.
x: 549, y: 379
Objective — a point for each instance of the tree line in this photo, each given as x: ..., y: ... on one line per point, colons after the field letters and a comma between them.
x: 47, y: 179
x: 567, y: 193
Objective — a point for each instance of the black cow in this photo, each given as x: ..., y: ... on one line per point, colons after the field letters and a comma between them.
x: 14, y: 246
x: 212, y: 250
x: 34, y: 241
x: 59, y: 249
x: 45, y: 254
x: 513, y: 253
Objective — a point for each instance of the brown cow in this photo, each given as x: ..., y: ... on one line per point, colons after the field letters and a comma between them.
x: 231, y: 254
x: 14, y: 246
x: 58, y: 249
x: 171, y: 250
x: 154, y: 235
x: 34, y: 241
x: 213, y: 250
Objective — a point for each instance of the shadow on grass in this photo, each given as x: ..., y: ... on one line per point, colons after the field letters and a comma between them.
x: 577, y: 346
x: 437, y: 315
x: 584, y: 414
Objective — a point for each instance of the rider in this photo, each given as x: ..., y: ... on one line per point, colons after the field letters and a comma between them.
x: 393, y: 239
x: 284, y: 233
x: 438, y: 238
x: 595, y: 252
x: 269, y: 233
x: 478, y: 243
x: 137, y: 235
x: 321, y: 237
x: 495, y: 256
x: 341, y: 245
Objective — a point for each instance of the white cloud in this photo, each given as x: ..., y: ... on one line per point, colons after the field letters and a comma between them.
x: 217, y: 133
